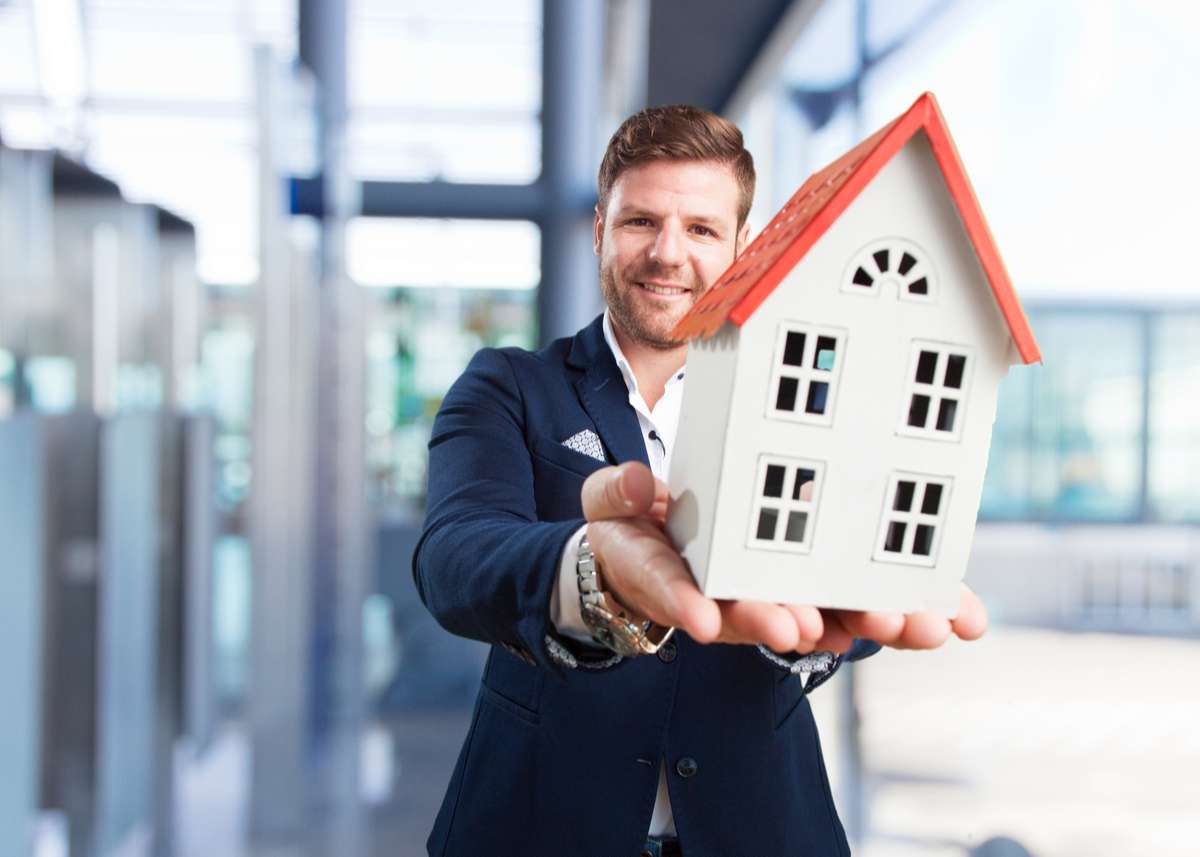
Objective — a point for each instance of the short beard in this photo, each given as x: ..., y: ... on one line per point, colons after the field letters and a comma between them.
x: 628, y: 320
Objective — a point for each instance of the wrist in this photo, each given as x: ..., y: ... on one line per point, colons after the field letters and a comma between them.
x: 612, y: 624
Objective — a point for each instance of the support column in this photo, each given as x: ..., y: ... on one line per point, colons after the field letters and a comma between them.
x: 572, y: 103
x: 341, y: 522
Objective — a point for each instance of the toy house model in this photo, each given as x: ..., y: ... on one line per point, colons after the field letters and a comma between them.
x: 834, y: 452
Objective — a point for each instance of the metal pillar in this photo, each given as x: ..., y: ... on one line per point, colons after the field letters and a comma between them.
x: 278, y: 690
x: 341, y: 526
x: 572, y: 102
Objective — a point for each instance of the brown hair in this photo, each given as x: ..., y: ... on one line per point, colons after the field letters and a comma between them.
x: 678, y: 133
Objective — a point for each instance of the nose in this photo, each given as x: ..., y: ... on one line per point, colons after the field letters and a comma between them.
x: 668, y: 246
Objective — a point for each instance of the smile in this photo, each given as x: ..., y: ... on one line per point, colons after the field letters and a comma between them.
x: 664, y: 290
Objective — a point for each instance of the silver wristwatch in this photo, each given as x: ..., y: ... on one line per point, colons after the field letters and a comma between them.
x: 612, y: 625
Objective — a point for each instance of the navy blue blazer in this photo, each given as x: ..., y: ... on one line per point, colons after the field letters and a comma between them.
x: 563, y: 752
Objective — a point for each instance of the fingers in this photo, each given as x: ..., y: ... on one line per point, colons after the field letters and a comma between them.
x: 648, y: 576
x: 835, y: 638
x: 972, y: 619
x: 624, y: 491
x: 922, y: 630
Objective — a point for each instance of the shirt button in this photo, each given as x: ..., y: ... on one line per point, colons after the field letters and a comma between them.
x: 686, y: 767
x: 667, y: 652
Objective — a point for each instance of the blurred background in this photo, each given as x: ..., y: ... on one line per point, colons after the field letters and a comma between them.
x: 246, y: 246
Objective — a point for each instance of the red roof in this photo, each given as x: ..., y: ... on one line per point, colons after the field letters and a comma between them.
x: 822, y: 199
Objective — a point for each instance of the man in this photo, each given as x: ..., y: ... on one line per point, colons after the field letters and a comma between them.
x: 707, y: 748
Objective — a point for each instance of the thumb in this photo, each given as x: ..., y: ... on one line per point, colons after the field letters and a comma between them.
x: 624, y: 491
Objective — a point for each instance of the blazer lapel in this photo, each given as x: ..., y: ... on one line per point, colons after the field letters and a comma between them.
x: 604, y: 396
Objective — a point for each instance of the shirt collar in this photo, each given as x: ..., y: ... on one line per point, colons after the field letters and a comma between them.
x: 610, y: 337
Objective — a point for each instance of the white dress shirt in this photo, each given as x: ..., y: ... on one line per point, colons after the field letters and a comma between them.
x: 659, y: 426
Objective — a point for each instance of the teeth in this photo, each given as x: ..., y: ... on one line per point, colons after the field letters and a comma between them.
x: 663, y: 290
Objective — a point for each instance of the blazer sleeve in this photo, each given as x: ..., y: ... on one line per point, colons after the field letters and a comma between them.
x: 818, y: 667
x: 485, y: 566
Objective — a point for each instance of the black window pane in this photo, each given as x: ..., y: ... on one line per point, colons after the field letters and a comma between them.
x: 906, y: 263
x: 797, y: 523
x: 894, y: 542
x: 825, y: 352
x: 793, y: 349
x: 933, y: 499
x: 926, y: 365
x: 919, y: 287
x: 785, y: 399
x: 955, y: 367
x: 818, y: 394
x: 862, y: 278
x: 946, y: 412
x: 923, y: 540
x: 881, y: 260
x: 805, y: 482
x: 766, y: 524
x: 904, y: 495
x: 773, y: 486
x: 918, y: 411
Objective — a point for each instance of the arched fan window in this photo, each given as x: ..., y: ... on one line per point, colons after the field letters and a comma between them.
x: 896, y: 261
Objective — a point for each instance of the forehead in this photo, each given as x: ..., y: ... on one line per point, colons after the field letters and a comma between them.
x: 688, y: 188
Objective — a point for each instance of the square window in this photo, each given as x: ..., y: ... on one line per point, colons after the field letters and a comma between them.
x: 923, y: 540
x: 818, y: 396
x: 946, y: 411
x: 804, y: 376
x: 918, y: 411
x: 774, y: 484
x: 825, y: 353
x: 805, y: 483
x: 767, y: 519
x: 797, y: 524
x: 932, y: 501
x: 785, y: 400
x: 793, y: 349
x: 926, y: 367
x: 955, y: 368
x: 909, y: 525
x: 783, y: 515
x: 939, y: 377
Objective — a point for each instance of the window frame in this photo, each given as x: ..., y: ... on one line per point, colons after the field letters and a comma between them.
x: 912, y: 518
x: 865, y: 258
x: 785, y: 504
x: 807, y: 373
x: 937, y: 391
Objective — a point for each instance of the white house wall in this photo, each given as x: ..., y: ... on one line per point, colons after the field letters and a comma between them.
x: 702, y: 437
x: 907, y: 199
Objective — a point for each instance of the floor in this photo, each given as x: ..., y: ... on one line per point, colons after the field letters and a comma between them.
x: 1073, y: 745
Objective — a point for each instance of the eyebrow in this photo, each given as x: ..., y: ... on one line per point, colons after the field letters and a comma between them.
x: 706, y: 219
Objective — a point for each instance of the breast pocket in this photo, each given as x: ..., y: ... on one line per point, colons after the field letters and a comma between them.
x: 558, y: 474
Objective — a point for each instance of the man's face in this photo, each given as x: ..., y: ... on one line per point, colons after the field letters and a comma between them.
x: 670, y: 229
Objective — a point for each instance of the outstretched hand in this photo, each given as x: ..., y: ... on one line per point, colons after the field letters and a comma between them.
x: 626, y: 508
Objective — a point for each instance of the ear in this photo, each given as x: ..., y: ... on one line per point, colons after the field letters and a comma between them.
x: 597, y: 231
x: 742, y: 238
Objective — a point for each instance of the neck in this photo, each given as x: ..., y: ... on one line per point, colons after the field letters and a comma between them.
x: 652, y: 367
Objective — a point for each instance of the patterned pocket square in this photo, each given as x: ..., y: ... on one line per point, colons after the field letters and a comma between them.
x: 586, y: 442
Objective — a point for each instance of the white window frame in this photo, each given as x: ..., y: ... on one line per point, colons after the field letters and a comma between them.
x: 785, y: 504
x: 897, y: 247
x: 936, y: 391
x: 807, y: 373
x: 913, y: 517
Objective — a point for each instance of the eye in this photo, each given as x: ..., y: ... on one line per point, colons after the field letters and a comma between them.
x: 638, y: 221
x: 703, y: 230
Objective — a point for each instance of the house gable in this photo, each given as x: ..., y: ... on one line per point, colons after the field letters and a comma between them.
x: 822, y: 199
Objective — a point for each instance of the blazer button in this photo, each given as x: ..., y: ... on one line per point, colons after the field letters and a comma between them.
x: 686, y: 767
x: 667, y: 652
